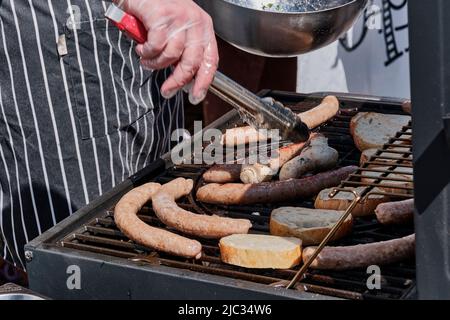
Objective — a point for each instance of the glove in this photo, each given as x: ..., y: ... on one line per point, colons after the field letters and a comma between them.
x: 181, y: 34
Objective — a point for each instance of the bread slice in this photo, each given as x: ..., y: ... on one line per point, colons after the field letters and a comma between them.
x: 260, y: 251
x: 372, y: 130
x: 367, y: 154
x: 342, y: 201
x: 400, y: 173
x: 309, y: 225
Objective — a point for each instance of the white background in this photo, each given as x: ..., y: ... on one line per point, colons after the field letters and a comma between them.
x: 363, y: 70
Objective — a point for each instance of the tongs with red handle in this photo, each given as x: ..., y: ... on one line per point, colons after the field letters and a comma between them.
x: 252, y: 109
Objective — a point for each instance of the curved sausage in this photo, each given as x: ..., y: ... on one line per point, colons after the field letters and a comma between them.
x: 211, y: 227
x: 268, y: 192
x: 395, y: 212
x: 325, y: 111
x: 362, y: 255
x: 313, y: 118
x: 125, y: 216
x: 223, y: 173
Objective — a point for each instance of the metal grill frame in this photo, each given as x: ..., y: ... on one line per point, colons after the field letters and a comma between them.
x: 176, y: 283
x: 355, y: 181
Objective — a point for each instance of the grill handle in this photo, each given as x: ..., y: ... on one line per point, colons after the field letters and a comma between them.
x: 446, y: 119
x: 152, y: 170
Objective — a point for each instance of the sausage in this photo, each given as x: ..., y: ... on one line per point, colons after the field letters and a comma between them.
x: 256, y: 173
x: 318, y: 156
x: 210, y: 227
x: 399, y: 212
x: 406, y: 106
x: 269, y: 192
x: 325, y: 111
x: 243, y: 135
x: 362, y: 255
x: 223, y: 173
x: 125, y: 216
x: 313, y: 118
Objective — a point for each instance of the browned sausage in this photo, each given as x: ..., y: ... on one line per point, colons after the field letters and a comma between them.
x: 313, y: 118
x: 395, y: 212
x: 362, y: 255
x: 223, y: 173
x: 243, y: 135
x: 325, y: 111
x: 267, y: 192
x: 212, y: 227
x: 256, y: 173
x: 125, y: 216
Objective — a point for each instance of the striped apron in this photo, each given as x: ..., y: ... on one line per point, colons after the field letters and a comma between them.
x: 75, y: 119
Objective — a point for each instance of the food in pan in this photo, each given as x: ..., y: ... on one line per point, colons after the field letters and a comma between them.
x: 125, y: 216
x: 309, y: 225
x: 261, y: 251
x: 256, y: 173
x: 316, y: 157
x: 313, y: 118
x: 204, y: 226
x: 362, y: 255
x: 223, y: 173
x: 399, y: 212
x: 372, y: 130
x: 342, y: 201
x: 269, y: 192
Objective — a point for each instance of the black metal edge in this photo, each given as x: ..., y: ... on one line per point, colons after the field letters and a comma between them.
x: 152, y: 170
x: 392, y: 104
x: 103, y: 202
x: 429, y: 23
x: 59, y: 256
x: 355, y: 97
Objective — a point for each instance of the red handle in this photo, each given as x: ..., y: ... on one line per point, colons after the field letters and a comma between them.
x: 134, y: 28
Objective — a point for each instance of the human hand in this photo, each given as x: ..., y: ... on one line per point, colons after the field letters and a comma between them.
x: 180, y: 33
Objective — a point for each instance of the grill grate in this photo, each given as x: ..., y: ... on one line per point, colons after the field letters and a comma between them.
x: 390, y: 169
x: 398, y: 281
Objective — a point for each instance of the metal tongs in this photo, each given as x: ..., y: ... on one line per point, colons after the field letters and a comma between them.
x: 257, y: 112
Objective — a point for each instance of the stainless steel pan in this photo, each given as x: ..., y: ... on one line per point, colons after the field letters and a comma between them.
x: 282, y: 28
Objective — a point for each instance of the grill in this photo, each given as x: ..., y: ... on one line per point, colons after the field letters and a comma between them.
x: 91, y: 240
x: 379, y: 171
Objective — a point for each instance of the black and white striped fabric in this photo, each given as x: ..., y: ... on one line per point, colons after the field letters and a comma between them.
x: 71, y: 126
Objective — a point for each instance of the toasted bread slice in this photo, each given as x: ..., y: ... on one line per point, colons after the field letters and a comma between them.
x: 372, y: 130
x: 260, y: 251
x: 342, y: 201
x: 309, y: 225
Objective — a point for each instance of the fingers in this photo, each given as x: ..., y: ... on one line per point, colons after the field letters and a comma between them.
x: 156, y: 42
x: 169, y: 55
x: 179, y: 33
x: 184, y: 72
x: 206, y: 73
x: 190, y: 61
